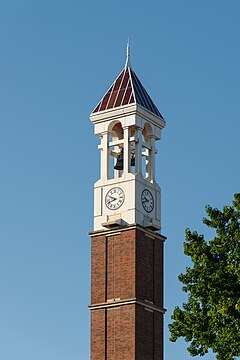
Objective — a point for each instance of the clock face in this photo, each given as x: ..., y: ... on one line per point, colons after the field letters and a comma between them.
x: 114, y: 198
x: 147, y: 200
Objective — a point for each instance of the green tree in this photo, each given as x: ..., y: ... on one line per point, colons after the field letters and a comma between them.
x: 211, y: 317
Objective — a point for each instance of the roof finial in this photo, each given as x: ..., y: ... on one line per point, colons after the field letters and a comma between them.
x: 128, y: 55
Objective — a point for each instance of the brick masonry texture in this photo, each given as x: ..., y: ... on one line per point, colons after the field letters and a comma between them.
x: 98, y: 276
x: 149, y: 334
x: 98, y: 334
x: 125, y: 266
x: 149, y: 267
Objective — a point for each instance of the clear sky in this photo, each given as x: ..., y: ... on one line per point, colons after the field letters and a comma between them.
x: 57, y: 59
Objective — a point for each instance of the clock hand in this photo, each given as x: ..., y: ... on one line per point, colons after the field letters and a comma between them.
x: 114, y: 198
x: 111, y: 199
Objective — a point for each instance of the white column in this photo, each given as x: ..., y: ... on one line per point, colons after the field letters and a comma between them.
x: 152, y: 158
x: 126, y: 150
x: 138, y: 151
x: 105, y: 173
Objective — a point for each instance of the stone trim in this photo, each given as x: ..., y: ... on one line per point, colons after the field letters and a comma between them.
x: 111, y: 232
x: 112, y: 304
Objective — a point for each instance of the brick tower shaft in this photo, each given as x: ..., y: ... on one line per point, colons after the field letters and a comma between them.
x: 127, y: 295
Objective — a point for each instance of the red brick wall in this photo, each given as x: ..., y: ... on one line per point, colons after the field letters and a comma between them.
x: 144, y: 334
x: 98, y: 273
x: 126, y: 266
x: 113, y: 333
x: 113, y: 263
x: 158, y: 272
x: 149, y: 334
x: 149, y: 267
x: 121, y: 266
x: 98, y: 335
x: 121, y: 333
x: 158, y: 336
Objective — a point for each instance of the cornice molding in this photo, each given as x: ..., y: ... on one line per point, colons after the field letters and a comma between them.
x: 151, y: 234
x: 115, y: 303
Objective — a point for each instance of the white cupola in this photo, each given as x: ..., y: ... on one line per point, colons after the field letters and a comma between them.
x: 128, y: 123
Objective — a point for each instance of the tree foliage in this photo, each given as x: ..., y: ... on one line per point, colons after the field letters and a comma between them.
x: 211, y: 317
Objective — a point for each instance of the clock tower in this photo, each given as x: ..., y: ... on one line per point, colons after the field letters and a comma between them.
x: 127, y: 245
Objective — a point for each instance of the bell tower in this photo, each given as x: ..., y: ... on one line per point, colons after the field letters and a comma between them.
x: 127, y: 245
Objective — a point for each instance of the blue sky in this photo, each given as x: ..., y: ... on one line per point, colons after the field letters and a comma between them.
x: 57, y: 59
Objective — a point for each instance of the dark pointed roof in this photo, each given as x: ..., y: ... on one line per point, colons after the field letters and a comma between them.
x: 127, y: 89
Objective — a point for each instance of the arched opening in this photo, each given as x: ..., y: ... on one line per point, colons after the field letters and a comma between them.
x: 128, y: 150
x: 147, y: 131
x: 115, y: 149
x: 132, y: 149
x: 117, y: 131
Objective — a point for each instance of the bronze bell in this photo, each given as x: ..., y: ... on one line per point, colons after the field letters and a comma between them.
x: 133, y: 160
x: 119, y: 164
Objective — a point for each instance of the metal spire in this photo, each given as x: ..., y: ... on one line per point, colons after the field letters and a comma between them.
x: 128, y: 55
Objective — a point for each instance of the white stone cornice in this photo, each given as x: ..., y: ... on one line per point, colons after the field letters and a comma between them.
x: 151, y: 234
x: 126, y: 110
